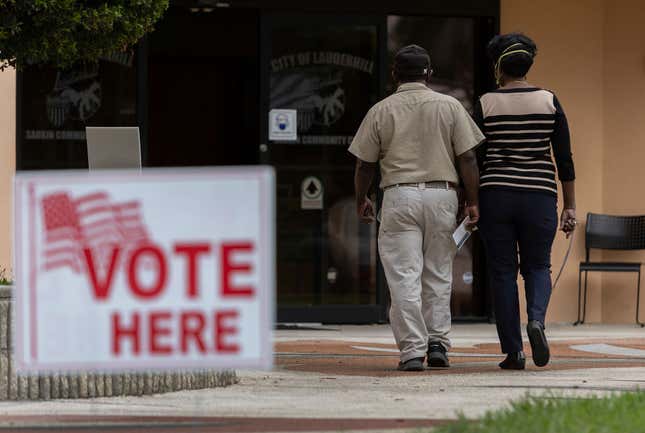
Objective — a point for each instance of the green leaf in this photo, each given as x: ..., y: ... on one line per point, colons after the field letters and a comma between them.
x: 64, y: 32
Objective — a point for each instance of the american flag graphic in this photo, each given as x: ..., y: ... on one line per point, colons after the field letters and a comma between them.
x: 90, y: 221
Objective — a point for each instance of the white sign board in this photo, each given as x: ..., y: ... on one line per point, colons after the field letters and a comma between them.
x: 311, y: 193
x: 283, y: 125
x: 162, y: 269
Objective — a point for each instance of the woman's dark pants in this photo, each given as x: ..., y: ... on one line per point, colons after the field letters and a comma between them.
x: 512, y: 220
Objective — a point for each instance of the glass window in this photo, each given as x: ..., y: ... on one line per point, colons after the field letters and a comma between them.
x: 451, y: 45
x: 327, y: 69
x: 57, y: 105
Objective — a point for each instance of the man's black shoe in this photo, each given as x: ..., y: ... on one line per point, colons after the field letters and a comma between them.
x: 513, y: 361
x: 539, y: 345
x: 414, y: 364
x: 437, y: 356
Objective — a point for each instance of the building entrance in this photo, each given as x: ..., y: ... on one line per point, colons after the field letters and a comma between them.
x: 328, y: 69
x: 201, y: 88
x: 331, y: 69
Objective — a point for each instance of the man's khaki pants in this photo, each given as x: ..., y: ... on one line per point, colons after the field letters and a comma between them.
x: 417, y: 251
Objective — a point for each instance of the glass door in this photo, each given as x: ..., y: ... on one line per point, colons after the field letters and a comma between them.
x: 331, y: 69
x: 457, y: 55
x: 327, y: 69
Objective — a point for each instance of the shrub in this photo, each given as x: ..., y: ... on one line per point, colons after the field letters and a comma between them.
x: 64, y: 32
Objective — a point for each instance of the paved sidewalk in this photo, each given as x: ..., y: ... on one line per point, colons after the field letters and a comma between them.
x: 344, y: 379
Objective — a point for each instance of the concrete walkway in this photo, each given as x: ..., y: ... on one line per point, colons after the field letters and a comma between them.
x: 344, y: 379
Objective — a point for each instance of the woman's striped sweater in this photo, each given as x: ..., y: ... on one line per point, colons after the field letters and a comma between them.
x: 522, y: 127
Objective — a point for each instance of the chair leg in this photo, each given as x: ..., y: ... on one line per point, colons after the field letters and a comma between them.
x: 577, y: 322
x: 638, y: 299
x: 584, y: 302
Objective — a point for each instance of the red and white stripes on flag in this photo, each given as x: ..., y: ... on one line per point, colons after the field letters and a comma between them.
x: 90, y: 221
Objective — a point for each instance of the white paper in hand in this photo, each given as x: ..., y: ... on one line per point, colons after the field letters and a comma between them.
x: 461, y: 235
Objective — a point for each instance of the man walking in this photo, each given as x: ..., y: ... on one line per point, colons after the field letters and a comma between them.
x: 421, y: 139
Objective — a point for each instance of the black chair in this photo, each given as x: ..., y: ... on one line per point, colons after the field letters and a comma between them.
x: 611, y: 233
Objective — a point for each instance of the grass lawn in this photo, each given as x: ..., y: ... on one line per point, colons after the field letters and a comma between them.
x: 623, y: 413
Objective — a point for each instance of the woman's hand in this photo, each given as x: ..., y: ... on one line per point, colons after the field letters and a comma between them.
x: 568, y: 221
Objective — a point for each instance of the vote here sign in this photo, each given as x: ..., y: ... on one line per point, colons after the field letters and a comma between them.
x: 162, y: 269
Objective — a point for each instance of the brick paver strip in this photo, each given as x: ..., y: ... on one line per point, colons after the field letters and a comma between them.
x: 126, y: 424
x: 558, y: 348
x: 341, y: 358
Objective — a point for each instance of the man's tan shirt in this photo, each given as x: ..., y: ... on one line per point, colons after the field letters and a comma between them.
x: 416, y: 133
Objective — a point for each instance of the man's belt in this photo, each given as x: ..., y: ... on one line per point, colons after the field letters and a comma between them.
x: 437, y: 184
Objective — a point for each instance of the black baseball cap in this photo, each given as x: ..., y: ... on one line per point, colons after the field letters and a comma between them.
x: 412, y: 61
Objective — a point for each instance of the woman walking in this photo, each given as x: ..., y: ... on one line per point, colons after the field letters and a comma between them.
x: 523, y: 124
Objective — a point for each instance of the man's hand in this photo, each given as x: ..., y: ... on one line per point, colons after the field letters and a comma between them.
x: 362, y: 180
x: 365, y: 210
x: 473, y: 213
x: 568, y: 221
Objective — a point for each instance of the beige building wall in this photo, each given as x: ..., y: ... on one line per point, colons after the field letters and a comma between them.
x: 624, y: 143
x: 7, y: 161
x: 591, y: 53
